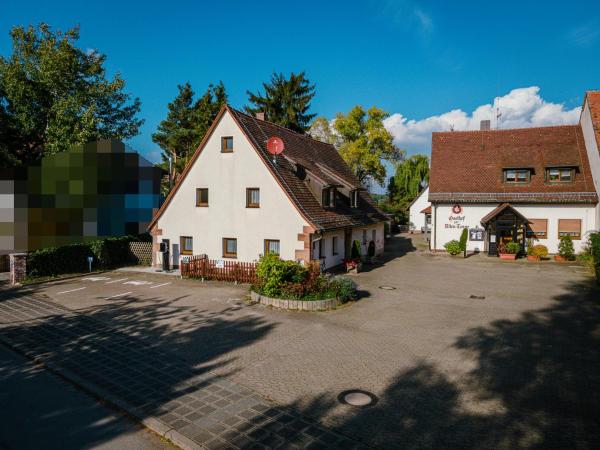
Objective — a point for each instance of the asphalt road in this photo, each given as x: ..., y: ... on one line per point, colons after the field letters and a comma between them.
x: 41, y: 411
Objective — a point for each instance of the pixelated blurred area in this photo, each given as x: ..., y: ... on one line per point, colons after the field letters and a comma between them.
x: 94, y: 190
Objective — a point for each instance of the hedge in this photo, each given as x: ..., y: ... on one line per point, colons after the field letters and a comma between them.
x: 595, y: 251
x: 108, y: 253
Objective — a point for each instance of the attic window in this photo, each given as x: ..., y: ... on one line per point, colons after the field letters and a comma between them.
x: 517, y: 175
x: 354, y: 198
x: 558, y: 175
x: 226, y: 144
x: 328, y: 197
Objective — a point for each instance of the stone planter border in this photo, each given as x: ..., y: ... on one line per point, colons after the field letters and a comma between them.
x: 296, y: 305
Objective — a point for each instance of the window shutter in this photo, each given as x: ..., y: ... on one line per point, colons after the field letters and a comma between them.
x: 539, y: 225
x: 569, y: 225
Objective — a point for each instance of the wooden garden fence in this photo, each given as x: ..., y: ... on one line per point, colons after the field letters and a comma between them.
x: 219, y: 270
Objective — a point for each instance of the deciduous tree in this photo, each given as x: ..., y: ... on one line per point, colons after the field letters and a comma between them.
x: 366, y: 144
x: 54, y: 95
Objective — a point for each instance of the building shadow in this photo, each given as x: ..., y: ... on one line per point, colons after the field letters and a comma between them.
x: 396, y: 246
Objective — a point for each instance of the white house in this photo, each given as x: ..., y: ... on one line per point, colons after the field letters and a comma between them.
x: 419, y: 212
x: 517, y: 184
x: 235, y: 200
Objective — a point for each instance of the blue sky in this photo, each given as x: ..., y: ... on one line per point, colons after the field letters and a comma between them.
x: 430, y: 64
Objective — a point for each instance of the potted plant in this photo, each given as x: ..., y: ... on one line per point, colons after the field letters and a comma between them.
x: 537, y: 252
x: 566, y: 251
x: 353, y: 264
x: 509, y: 251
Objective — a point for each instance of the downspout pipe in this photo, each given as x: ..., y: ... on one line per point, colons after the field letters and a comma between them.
x: 435, y: 224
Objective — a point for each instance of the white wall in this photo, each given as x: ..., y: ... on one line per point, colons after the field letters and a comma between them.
x: 227, y: 175
x: 416, y: 218
x: 330, y: 260
x: 446, y: 229
x: 592, y: 151
x: 357, y: 235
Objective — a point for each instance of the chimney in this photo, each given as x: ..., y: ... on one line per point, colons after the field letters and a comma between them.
x: 260, y: 115
x: 485, y: 125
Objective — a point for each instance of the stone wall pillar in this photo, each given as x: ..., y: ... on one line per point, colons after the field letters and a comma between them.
x: 18, y: 267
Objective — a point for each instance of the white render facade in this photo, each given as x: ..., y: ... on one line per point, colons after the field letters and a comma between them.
x: 189, y: 227
x: 446, y: 225
x: 537, y: 203
x: 416, y: 219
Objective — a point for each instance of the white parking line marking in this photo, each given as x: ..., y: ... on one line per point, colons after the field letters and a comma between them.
x: 159, y: 285
x: 118, y: 295
x: 138, y: 283
x: 96, y: 278
x: 116, y: 281
x: 72, y: 290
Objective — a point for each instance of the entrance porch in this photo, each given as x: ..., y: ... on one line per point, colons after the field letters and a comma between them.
x: 503, y: 225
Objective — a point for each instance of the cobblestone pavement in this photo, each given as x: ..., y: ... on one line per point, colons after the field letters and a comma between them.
x: 208, y: 409
x: 462, y: 353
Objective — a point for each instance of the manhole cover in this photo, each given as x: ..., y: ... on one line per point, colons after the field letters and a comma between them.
x: 477, y: 297
x: 387, y: 288
x: 356, y: 397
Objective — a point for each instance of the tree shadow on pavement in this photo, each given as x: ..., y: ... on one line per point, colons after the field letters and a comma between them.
x: 541, y: 372
x: 126, y: 351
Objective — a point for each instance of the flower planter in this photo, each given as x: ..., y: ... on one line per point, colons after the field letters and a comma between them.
x: 560, y: 259
x: 296, y: 305
x: 508, y: 256
x: 353, y: 265
x: 533, y: 258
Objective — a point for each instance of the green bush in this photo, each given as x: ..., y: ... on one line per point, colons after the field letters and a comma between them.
x: 290, y: 280
x: 273, y: 272
x: 513, y: 248
x: 541, y: 251
x: 594, y: 246
x: 52, y: 261
x: 371, y: 249
x: 453, y: 247
x: 566, y: 249
x: 343, y: 287
x: 355, y: 253
x: 463, y: 240
x: 108, y: 253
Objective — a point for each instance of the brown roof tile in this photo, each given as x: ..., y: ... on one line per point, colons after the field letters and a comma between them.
x: 468, y: 165
x: 593, y: 101
x: 319, y: 159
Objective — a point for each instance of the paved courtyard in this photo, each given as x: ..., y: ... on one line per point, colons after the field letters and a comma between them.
x: 463, y: 353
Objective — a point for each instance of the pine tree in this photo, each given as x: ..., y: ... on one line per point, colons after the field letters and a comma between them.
x: 187, y: 122
x: 285, y: 102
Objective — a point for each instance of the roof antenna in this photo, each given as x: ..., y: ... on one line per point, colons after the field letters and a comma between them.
x: 498, y: 113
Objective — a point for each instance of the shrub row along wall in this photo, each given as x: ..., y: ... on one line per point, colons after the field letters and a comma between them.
x: 108, y: 253
x: 595, y: 250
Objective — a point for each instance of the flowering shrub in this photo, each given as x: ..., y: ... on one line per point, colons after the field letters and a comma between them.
x: 453, y: 247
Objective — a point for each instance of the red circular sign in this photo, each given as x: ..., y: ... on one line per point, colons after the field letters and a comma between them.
x: 456, y: 209
x: 275, y: 145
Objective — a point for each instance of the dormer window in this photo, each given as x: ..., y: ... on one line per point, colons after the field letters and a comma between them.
x: 560, y: 175
x: 354, y: 198
x: 328, y: 197
x: 517, y: 175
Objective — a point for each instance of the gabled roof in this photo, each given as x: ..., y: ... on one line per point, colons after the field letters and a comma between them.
x: 499, y: 210
x: 593, y: 101
x: 468, y: 165
x: 426, y: 210
x: 321, y: 160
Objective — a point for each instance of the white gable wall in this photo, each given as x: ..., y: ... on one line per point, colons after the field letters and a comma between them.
x: 593, y: 152
x: 416, y: 219
x: 227, y: 175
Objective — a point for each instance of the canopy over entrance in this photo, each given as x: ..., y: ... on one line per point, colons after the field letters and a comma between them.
x: 504, y: 224
x: 504, y: 208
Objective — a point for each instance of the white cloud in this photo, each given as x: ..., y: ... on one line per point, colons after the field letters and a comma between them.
x: 520, y: 108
